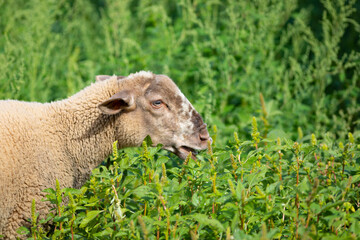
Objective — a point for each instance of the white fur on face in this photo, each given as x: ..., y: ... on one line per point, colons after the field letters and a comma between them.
x: 145, y: 74
x: 186, y: 125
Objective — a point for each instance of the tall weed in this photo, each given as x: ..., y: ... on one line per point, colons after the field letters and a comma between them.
x: 222, y: 54
x: 252, y: 189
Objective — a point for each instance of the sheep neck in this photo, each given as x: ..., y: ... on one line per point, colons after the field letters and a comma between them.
x: 88, y: 133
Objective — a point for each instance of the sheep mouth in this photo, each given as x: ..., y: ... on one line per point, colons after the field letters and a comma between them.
x: 183, y: 152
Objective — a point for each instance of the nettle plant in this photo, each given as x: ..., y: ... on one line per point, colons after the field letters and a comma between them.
x: 258, y: 188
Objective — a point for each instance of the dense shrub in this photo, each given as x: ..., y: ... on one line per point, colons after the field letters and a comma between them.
x: 294, y: 65
x: 302, y: 56
x: 260, y: 188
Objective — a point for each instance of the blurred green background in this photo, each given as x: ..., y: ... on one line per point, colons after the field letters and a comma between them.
x: 302, y: 56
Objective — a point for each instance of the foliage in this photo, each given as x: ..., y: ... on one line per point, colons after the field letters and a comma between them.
x: 222, y: 54
x: 277, y: 73
x: 259, y: 188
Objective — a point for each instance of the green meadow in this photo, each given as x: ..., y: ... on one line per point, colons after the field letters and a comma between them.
x: 277, y: 82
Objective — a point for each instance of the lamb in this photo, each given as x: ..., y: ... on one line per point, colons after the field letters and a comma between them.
x: 66, y: 139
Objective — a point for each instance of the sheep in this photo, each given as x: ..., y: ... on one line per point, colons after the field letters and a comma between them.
x: 66, y: 139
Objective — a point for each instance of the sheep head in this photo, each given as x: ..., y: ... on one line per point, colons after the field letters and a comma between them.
x: 155, y: 106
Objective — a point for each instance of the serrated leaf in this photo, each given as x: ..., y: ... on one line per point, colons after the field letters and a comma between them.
x: 23, y: 231
x: 89, y: 217
x: 239, y: 189
x: 195, y: 200
x: 331, y: 205
x: 141, y: 191
x: 304, y: 186
x: 108, y: 231
x: 49, y: 190
x: 205, y: 220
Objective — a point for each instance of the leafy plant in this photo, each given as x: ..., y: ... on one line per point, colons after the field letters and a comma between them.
x: 282, y: 75
x: 301, y: 56
x: 261, y: 187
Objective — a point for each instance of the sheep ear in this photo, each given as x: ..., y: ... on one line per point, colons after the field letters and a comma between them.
x: 121, y: 101
x: 100, y: 78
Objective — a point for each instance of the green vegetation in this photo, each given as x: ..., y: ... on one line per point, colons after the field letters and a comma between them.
x: 292, y: 171
x: 255, y: 189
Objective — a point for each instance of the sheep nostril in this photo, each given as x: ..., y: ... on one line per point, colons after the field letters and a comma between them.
x: 204, y: 136
x: 203, y: 133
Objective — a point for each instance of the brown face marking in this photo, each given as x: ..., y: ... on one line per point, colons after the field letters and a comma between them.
x: 196, y: 120
x: 187, y: 115
x: 177, y: 100
x: 165, y: 90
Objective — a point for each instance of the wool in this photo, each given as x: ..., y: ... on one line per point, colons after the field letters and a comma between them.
x: 66, y: 139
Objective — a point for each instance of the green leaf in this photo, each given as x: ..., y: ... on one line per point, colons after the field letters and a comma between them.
x: 304, y: 186
x: 107, y: 232
x: 331, y: 205
x: 141, y: 191
x: 274, y: 134
x: 205, y: 220
x: 355, y: 227
x: 49, y: 190
x: 89, y: 217
x: 23, y: 231
x: 195, y: 200
x: 315, y: 208
x: 355, y: 178
x: 239, y: 188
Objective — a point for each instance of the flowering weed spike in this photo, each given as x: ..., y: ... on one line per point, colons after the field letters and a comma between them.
x: 263, y: 107
x: 33, y: 213
x: 115, y: 150
x: 255, y: 134
x: 184, y: 169
x: 300, y: 133
x: 228, y: 233
x: 143, y: 227
x: 212, y: 159
x: 209, y: 148
x: 157, y: 184
x: 324, y: 147
x: 313, y: 140
x: 33, y: 219
x: 71, y: 202
x: 146, y: 151
x: 234, y: 166
x: 351, y: 138
x: 163, y: 177
x: 264, y: 232
x: 296, y: 148
x: 232, y: 188
x: 237, y: 141
x: 264, y: 116
x: 215, y: 135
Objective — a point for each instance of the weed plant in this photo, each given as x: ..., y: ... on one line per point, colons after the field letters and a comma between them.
x: 289, y: 172
x: 253, y: 189
x: 222, y: 54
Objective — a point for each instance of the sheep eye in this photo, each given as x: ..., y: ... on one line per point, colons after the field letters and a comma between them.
x: 157, y: 103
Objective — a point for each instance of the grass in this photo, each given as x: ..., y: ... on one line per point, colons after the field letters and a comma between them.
x: 293, y: 65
